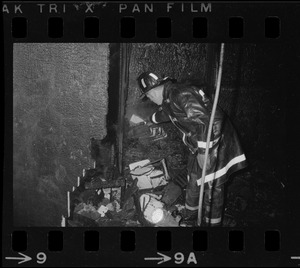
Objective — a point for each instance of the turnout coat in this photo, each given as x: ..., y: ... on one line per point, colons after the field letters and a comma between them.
x: 188, y: 108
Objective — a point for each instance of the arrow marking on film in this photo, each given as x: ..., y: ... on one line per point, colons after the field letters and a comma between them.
x: 163, y: 258
x: 25, y: 258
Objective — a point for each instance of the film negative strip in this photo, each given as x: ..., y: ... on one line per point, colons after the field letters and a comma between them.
x: 117, y: 112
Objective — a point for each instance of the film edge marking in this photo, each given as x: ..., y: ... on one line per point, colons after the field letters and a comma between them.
x: 22, y: 259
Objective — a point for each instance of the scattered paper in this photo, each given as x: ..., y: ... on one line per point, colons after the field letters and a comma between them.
x: 136, y: 119
x: 102, y: 210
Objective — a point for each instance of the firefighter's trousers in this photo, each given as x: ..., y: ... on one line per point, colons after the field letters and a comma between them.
x: 213, y: 195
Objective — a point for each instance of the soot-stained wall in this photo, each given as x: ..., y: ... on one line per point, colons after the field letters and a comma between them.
x: 254, y: 95
x: 59, y: 103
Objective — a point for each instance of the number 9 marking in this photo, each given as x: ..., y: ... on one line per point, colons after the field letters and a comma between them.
x: 41, y: 256
x: 179, y: 258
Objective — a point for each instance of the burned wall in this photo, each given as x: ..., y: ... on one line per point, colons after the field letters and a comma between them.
x: 254, y: 95
x: 59, y: 103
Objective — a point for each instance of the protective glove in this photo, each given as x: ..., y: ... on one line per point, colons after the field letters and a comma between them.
x: 200, y: 159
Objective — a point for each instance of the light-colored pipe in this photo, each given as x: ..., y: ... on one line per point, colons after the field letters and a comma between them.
x: 68, y: 205
x: 211, y: 121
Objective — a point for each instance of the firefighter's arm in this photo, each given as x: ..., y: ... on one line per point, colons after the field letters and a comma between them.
x: 159, y: 117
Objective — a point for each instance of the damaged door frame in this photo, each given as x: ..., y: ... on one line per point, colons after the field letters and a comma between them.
x: 125, y: 52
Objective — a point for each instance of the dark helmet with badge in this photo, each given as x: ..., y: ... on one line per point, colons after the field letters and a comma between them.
x: 149, y: 80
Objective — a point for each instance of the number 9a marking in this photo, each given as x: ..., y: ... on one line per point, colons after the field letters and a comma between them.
x: 41, y: 258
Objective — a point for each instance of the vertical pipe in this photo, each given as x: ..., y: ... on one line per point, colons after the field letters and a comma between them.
x: 209, y: 134
x: 68, y: 204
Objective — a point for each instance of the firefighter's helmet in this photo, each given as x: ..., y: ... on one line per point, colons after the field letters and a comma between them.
x: 149, y: 80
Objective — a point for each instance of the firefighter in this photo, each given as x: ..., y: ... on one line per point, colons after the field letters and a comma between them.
x: 188, y: 107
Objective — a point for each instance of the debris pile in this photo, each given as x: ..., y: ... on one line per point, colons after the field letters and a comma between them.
x: 150, y: 198
x: 151, y: 194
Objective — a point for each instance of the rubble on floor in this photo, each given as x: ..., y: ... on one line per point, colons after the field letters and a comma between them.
x: 149, y: 199
x: 152, y: 198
